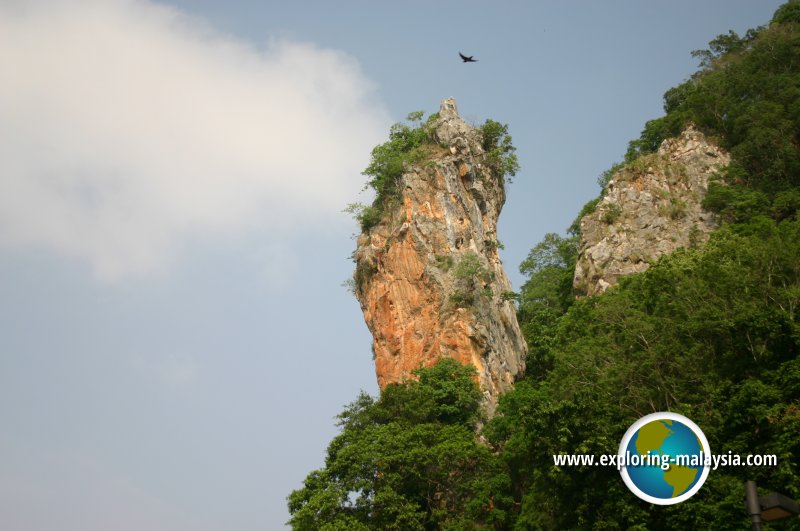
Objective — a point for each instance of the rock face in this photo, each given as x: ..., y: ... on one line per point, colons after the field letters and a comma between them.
x: 428, y: 275
x: 651, y: 207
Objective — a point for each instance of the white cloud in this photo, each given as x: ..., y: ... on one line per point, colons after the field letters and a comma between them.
x: 128, y: 126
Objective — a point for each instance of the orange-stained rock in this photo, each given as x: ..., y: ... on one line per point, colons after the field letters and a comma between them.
x: 416, y: 304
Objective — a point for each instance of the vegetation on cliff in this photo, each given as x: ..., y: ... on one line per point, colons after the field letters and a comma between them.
x: 407, y: 144
x: 746, y: 95
x: 412, y: 143
x: 712, y: 332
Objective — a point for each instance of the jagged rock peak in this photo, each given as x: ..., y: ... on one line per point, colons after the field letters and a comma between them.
x: 650, y: 208
x: 450, y: 127
x: 428, y: 274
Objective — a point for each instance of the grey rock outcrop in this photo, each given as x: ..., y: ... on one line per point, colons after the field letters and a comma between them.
x: 650, y: 208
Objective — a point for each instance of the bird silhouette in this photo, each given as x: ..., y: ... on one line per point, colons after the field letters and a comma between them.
x: 467, y: 59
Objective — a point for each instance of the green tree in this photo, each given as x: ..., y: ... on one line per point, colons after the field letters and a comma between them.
x: 500, y: 150
x: 712, y: 333
x: 788, y: 13
x: 408, y: 460
x: 746, y: 97
x: 546, y: 295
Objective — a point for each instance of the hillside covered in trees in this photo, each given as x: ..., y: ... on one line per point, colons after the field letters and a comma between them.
x: 710, y: 331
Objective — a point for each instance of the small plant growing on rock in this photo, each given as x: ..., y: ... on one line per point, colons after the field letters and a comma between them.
x: 611, y: 213
x: 364, y: 270
x: 493, y: 245
x: 443, y: 262
x: 694, y: 237
x: 609, y: 174
x: 472, y: 279
x: 676, y: 209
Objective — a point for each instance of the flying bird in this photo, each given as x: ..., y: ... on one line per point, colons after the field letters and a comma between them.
x: 467, y: 59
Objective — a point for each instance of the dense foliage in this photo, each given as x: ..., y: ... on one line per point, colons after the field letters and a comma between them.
x: 499, y: 148
x: 407, y: 461
x: 747, y: 96
x: 711, y: 332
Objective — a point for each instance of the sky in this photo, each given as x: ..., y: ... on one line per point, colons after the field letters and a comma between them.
x: 175, y: 340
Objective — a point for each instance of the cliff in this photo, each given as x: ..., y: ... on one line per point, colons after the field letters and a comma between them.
x: 650, y: 208
x: 428, y: 274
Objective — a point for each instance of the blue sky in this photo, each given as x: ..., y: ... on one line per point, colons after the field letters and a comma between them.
x: 174, y: 337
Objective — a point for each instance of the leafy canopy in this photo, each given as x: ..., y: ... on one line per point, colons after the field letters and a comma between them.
x: 746, y: 96
x: 408, y: 460
x: 500, y: 150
